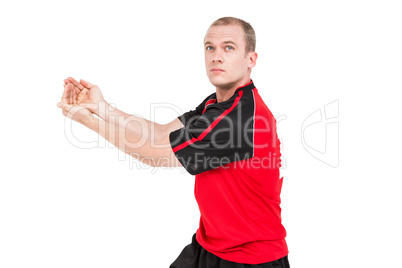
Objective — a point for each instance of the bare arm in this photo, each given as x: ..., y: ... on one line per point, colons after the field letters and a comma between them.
x: 90, y: 97
x: 142, y: 139
x: 137, y: 126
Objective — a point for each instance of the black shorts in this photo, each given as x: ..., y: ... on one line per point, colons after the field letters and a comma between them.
x: 195, y: 256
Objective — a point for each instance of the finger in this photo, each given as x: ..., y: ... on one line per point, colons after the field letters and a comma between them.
x: 67, y: 95
x: 65, y: 108
x: 70, y: 89
x: 75, y: 83
x: 65, y: 98
x: 73, y: 93
x: 86, y: 84
x: 76, y: 93
x: 82, y: 95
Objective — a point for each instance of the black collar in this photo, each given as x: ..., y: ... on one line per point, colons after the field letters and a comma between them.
x: 248, y: 86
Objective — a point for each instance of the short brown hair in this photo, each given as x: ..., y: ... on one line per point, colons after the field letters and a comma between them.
x: 247, y: 29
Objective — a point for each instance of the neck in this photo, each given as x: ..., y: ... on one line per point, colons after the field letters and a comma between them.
x: 225, y: 93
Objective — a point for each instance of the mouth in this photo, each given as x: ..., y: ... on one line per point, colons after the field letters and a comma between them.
x: 217, y: 70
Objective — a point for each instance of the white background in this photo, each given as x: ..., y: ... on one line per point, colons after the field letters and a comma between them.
x: 65, y: 206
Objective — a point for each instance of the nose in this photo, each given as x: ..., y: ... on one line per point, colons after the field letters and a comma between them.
x: 217, y: 57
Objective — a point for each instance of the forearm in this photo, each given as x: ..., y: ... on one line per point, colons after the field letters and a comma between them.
x: 138, y: 125
x: 135, y: 138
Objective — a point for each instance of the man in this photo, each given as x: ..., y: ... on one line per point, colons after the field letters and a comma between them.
x: 229, y: 142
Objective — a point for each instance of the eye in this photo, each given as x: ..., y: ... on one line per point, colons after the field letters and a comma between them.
x: 229, y: 48
x: 209, y: 48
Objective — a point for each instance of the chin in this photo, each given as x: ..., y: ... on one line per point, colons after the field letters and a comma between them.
x: 220, y: 82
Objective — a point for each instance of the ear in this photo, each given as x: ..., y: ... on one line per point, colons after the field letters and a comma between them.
x: 252, y: 59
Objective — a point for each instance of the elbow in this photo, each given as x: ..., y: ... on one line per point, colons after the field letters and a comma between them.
x: 161, y: 131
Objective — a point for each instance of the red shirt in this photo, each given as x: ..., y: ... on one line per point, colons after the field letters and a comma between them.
x: 233, y: 149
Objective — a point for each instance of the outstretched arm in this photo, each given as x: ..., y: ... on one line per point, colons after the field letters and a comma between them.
x: 90, y: 96
x: 138, y: 137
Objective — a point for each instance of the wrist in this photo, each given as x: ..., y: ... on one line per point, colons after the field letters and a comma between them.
x: 107, y: 112
x: 92, y: 123
x: 101, y: 109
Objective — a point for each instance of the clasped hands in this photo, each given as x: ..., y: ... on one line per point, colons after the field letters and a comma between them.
x: 80, y: 100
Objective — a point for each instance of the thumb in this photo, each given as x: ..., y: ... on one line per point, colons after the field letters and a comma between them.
x: 65, y: 107
x: 62, y: 105
x: 86, y: 84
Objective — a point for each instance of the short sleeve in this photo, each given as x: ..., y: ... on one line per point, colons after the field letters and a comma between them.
x: 212, y: 139
x: 192, y: 115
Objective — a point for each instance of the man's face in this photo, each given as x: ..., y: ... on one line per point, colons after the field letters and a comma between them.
x: 226, y: 61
